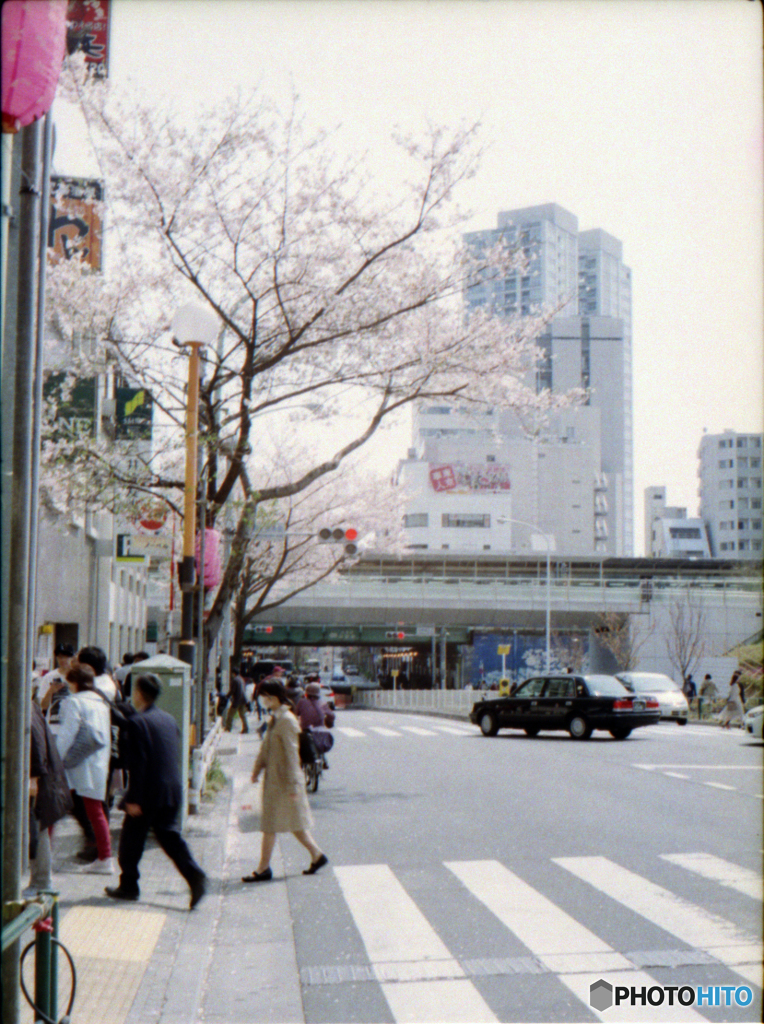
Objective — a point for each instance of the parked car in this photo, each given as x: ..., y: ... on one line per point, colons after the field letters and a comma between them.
x: 351, y: 670
x: 672, y: 701
x: 338, y: 676
x: 754, y: 720
x: 578, y: 704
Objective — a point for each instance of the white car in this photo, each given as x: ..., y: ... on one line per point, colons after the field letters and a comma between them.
x: 673, y: 703
x: 754, y: 720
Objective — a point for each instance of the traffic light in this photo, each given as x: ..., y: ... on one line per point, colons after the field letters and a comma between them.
x: 340, y: 535
x: 395, y: 634
x: 263, y: 629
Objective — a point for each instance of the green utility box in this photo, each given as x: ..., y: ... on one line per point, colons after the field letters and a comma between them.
x: 175, y: 677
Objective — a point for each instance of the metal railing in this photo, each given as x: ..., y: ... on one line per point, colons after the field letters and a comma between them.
x: 444, y: 702
x: 201, y: 760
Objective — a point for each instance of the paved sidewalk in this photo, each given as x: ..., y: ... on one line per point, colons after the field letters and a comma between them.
x: 230, y: 961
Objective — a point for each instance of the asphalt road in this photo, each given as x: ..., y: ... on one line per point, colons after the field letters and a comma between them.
x: 478, y: 878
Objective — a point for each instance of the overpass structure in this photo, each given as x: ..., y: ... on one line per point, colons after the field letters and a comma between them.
x: 399, y: 601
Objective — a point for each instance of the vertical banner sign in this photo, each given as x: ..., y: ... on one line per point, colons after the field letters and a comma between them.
x: 134, y: 412
x: 75, y: 227
x: 75, y: 402
x: 87, y: 32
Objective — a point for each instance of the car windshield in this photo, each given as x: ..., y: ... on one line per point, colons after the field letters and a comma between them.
x: 653, y: 683
x: 605, y: 686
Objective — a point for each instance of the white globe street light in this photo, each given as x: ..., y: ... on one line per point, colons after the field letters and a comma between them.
x: 196, y: 327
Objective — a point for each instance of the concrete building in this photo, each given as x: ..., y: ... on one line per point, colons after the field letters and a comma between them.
x: 669, y: 533
x: 730, y: 491
x: 574, y: 478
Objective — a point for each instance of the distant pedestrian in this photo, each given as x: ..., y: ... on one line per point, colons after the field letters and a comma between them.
x: 153, y: 796
x: 706, y: 692
x: 127, y: 682
x: 285, y: 802
x: 690, y: 689
x: 96, y: 658
x: 84, y: 743
x: 237, y: 702
x: 734, y: 707
x: 49, y: 800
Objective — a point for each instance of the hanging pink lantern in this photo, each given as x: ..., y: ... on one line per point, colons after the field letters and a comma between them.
x: 33, y: 45
x: 213, y: 567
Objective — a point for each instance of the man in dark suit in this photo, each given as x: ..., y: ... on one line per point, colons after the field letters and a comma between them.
x: 154, y: 794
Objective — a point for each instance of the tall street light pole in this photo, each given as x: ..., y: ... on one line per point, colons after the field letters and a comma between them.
x: 195, y: 327
x: 547, y: 545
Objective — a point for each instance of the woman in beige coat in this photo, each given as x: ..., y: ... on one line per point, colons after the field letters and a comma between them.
x: 285, y: 803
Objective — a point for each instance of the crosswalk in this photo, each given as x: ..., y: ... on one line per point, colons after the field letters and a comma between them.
x: 401, y: 731
x: 423, y: 980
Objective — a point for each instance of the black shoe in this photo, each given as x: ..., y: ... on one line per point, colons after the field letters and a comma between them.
x: 118, y: 893
x: 87, y: 855
x: 198, y: 890
x: 264, y: 876
x: 314, y: 867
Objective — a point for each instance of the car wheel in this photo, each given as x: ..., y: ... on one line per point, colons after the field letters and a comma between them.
x: 681, y: 721
x: 579, y: 728
x: 620, y: 734
x: 531, y: 732
x: 488, y: 724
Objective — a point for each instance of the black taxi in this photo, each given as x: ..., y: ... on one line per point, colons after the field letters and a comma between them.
x: 573, y: 703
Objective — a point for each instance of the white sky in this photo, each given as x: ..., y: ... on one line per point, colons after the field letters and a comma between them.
x: 642, y: 117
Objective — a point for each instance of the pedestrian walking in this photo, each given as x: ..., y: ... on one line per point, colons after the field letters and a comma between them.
x: 53, y: 687
x: 285, y: 802
x: 237, y: 703
x: 706, y: 692
x: 96, y: 658
x: 734, y: 708
x: 84, y: 743
x: 153, y: 796
x: 49, y: 800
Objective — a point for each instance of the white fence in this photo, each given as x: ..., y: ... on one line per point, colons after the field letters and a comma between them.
x: 445, y: 702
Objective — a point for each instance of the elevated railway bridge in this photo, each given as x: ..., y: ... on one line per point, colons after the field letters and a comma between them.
x: 416, y: 599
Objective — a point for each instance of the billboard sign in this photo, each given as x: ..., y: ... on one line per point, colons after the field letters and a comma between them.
x: 75, y: 407
x: 75, y: 227
x: 134, y: 412
x: 87, y: 31
x: 470, y: 478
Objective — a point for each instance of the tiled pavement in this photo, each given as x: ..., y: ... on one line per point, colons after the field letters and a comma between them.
x: 229, y: 961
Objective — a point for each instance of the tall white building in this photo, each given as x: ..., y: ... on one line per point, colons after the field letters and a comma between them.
x: 573, y: 481
x: 730, y: 493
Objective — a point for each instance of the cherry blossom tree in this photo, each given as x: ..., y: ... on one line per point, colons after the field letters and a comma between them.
x: 340, y: 301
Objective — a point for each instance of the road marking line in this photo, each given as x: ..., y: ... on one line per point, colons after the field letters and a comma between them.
x: 541, y: 925
x: 749, y: 883
x: 692, y: 924
x: 707, y: 767
x: 720, y: 785
x: 384, y: 732
x: 676, y: 775
x: 453, y: 731
x: 346, y: 730
x: 417, y: 731
x: 401, y: 944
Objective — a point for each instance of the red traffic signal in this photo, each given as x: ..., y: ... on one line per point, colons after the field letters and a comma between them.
x: 339, y: 535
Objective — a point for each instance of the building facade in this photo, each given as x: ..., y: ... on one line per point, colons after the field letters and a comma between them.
x: 669, y: 533
x: 573, y: 479
x: 730, y: 491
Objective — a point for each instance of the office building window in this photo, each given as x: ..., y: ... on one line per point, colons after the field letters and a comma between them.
x: 416, y: 519
x: 742, y: 481
x: 465, y: 520
x: 742, y: 442
x: 755, y: 502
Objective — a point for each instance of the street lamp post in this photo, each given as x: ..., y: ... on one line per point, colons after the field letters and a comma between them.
x: 547, y: 545
x: 195, y: 327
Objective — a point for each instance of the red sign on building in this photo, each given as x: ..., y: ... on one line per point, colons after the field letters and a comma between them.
x: 87, y: 31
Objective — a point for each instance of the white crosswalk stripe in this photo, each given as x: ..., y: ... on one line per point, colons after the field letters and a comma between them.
x: 417, y: 731
x: 722, y: 871
x: 420, y: 979
x: 383, y: 731
x: 346, y: 730
x: 692, y: 924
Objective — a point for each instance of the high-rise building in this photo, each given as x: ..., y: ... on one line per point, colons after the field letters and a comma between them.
x: 574, y: 478
x: 730, y: 471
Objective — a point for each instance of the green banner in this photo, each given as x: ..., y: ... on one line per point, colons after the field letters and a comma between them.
x: 134, y: 414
